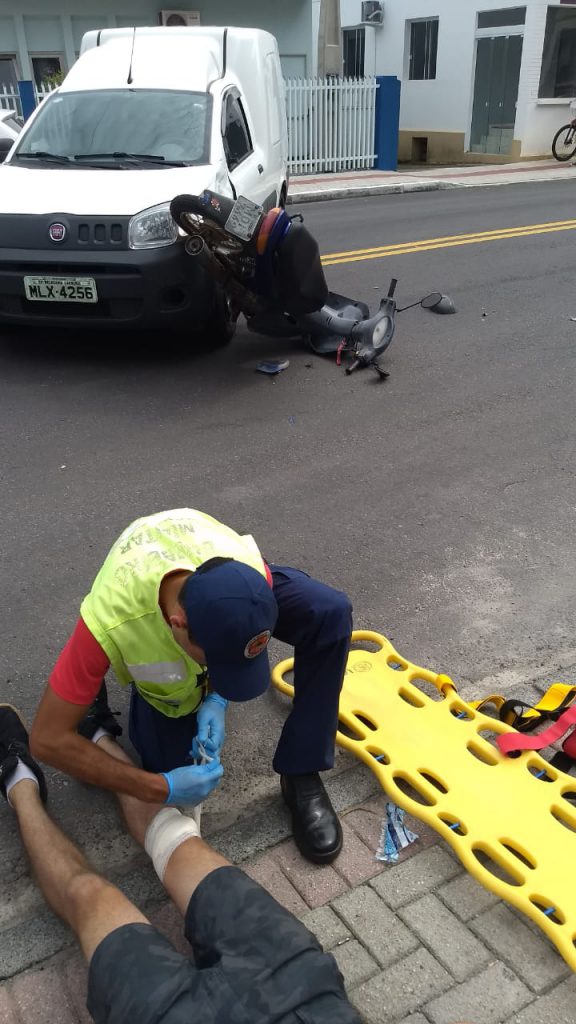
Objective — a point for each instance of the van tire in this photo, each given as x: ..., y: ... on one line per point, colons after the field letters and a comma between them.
x: 283, y: 197
x: 220, y: 328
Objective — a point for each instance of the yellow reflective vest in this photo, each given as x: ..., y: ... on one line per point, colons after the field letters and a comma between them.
x: 122, y: 610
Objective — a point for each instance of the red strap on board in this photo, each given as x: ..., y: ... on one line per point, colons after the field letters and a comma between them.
x: 569, y: 745
x: 511, y: 741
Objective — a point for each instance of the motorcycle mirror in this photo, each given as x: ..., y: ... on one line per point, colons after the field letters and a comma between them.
x: 436, y: 302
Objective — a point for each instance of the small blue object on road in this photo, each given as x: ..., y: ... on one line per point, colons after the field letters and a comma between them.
x: 272, y: 365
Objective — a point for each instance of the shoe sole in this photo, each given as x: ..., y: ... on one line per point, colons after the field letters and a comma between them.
x: 16, y: 712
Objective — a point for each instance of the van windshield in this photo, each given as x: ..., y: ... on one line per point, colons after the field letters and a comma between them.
x: 111, y: 124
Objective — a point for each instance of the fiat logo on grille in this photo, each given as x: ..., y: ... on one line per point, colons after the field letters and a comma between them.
x: 57, y: 232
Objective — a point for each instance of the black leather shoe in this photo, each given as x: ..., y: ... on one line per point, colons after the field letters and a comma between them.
x: 317, y: 831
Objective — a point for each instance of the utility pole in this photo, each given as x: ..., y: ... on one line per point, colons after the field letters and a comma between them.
x: 329, y: 39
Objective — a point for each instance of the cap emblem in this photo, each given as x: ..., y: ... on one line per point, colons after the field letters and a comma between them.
x: 257, y: 644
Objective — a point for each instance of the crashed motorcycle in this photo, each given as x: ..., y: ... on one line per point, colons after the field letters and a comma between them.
x: 267, y: 266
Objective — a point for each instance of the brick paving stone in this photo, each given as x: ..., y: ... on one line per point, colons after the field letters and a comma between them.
x: 402, y: 883
x: 530, y: 955
x: 355, y: 963
x: 374, y: 924
x: 367, y: 820
x: 266, y: 870
x: 445, y: 936
x: 466, y: 897
x: 7, y: 1008
x: 326, y: 926
x: 316, y: 884
x: 75, y: 974
x: 32, y: 941
x: 555, y: 1008
x: 356, y: 863
x: 487, y: 998
x: 402, y: 989
x: 40, y: 997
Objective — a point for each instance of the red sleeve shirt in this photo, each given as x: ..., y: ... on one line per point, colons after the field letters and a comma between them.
x: 77, y: 675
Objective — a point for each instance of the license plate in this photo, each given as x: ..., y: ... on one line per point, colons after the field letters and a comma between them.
x: 243, y: 218
x: 60, y: 289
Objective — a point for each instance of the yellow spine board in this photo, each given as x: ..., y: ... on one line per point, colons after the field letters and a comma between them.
x: 511, y: 821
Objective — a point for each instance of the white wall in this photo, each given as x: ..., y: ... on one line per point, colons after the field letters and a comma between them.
x: 537, y: 120
x: 58, y: 25
x: 445, y: 104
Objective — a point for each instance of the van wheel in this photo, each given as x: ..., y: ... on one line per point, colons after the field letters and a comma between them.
x: 219, y: 329
x: 283, y: 197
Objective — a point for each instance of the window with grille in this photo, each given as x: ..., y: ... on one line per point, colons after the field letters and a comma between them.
x: 353, y: 49
x: 503, y: 17
x: 558, y: 74
x: 423, y: 49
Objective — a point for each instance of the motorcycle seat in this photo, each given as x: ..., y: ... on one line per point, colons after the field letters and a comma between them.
x: 289, y: 260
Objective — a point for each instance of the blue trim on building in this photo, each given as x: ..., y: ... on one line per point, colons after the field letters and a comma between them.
x: 387, y: 123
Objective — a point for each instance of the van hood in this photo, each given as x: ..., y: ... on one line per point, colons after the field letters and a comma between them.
x: 91, y: 192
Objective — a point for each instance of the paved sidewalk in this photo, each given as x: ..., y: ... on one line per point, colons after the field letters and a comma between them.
x: 419, y: 942
x: 312, y: 188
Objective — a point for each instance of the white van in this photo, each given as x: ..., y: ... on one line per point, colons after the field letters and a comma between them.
x: 145, y: 114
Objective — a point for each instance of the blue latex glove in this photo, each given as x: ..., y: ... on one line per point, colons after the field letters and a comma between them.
x: 192, y: 783
x: 211, y: 726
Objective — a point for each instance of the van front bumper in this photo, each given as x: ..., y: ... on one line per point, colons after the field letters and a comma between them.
x: 137, y: 289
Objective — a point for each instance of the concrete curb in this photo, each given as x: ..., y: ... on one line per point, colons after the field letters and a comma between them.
x: 361, y: 191
x: 358, y: 192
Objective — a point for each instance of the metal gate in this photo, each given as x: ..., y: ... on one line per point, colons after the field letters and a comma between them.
x: 330, y: 124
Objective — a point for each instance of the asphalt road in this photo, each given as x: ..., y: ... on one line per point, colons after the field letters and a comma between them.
x: 443, y: 500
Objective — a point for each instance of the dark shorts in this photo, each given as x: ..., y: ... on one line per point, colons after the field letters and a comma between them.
x: 254, y: 963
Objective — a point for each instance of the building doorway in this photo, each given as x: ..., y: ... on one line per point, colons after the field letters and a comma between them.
x: 498, y: 61
x: 499, y: 38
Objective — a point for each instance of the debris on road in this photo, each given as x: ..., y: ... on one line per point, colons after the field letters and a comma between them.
x: 272, y: 366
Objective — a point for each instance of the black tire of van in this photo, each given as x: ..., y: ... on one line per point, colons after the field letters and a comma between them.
x: 219, y: 330
x: 283, y: 197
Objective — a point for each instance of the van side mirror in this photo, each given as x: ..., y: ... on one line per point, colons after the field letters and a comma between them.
x: 5, y: 147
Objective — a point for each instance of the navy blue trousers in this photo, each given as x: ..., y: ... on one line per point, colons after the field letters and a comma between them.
x: 316, y: 621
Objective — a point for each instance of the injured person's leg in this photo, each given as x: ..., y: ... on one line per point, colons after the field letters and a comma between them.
x: 251, y: 957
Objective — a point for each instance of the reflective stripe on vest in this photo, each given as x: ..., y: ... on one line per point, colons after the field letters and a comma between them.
x: 159, y: 672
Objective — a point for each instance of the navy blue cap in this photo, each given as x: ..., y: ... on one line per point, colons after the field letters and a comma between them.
x: 231, y: 612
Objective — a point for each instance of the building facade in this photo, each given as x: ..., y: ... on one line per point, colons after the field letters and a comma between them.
x: 40, y: 38
x: 482, y: 80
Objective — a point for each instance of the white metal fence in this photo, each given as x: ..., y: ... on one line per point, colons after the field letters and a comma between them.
x: 10, y: 98
x: 330, y: 124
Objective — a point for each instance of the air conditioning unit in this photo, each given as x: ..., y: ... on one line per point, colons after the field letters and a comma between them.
x: 179, y: 18
x: 372, y: 12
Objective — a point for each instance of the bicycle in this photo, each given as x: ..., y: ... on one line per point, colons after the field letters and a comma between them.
x: 564, y: 142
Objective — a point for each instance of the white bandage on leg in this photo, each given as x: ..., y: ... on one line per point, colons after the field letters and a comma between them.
x: 165, y: 833
x: 193, y: 812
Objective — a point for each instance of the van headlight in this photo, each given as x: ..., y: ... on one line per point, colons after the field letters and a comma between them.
x: 152, y: 228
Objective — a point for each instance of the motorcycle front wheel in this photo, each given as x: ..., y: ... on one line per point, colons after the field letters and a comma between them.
x: 220, y: 328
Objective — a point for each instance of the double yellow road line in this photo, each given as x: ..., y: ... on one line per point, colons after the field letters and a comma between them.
x: 447, y: 242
